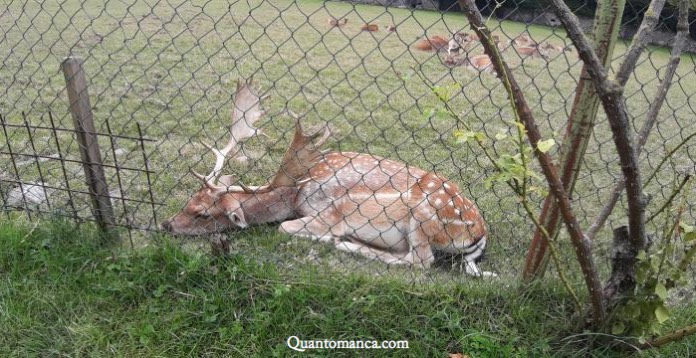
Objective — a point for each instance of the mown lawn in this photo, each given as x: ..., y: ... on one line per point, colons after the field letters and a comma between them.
x: 62, y: 293
x: 172, y: 66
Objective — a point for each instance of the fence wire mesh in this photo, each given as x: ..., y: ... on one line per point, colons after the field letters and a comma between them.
x: 172, y: 66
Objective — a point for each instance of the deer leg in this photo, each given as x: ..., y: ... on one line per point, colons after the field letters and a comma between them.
x: 420, y: 253
x: 372, y: 252
x: 472, y: 255
x: 314, y: 228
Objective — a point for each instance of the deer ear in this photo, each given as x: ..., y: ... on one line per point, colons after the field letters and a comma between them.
x: 237, y: 218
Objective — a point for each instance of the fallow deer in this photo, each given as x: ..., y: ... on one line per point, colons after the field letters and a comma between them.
x: 333, y: 22
x: 359, y: 203
x: 460, y: 40
x: 479, y: 63
x: 390, y: 28
x: 549, y: 47
x: 523, y: 40
x: 531, y: 51
x: 434, y: 43
x: 369, y: 27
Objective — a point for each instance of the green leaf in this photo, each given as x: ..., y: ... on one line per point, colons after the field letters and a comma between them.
x: 655, y: 327
x: 520, y: 126
x: 464, y: 136
x: 441, y: 113
x: 442, y: 93
x: 501, y: 136
x: 690, y: 236
x: 618, y: 328
x: 661, y: 291
x: 661, y: 313
x: 544, y: 145
x: 633, y: 311
x: 686, y: 228
x: 428, y: 113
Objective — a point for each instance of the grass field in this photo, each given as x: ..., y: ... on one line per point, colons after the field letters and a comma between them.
x: 64, y: 294
x: 172, y: 66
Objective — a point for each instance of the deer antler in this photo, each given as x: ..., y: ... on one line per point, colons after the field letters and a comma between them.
x: 300, y: 156
x: 297, y: 160
x: 247, y: 110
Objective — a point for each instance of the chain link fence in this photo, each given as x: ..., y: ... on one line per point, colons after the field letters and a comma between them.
x: 162, y: 75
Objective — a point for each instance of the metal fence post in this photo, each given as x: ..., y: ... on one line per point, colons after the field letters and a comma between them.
x: 81, y: 110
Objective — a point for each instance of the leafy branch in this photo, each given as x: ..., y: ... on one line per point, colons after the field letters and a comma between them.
x: 512, y: 169
x: 524, y: 115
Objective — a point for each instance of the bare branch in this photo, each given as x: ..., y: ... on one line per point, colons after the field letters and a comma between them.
x: 667, y: 156
x: 611, y: 96
x: 580, y: 125
x: 653, y: 111
x: 670, y: 337
x: 669, y: 200
x: 640, y: 40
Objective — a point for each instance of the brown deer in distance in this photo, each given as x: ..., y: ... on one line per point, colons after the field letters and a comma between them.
x: 333, y: 22
x: 360, y: 203
x: 431, y: 43
x: 369, y: 27
x: 531, y: 51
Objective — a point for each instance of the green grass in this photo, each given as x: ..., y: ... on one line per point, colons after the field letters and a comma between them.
x: 172, y: 66
x: 63, y: 292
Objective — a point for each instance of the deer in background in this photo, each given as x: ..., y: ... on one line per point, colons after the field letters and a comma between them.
x: 526, y: 47
x: 333, y: 22
x: 359, y: 203
x: 478, y: 63
x: 369, y: 27
x: 432, y: 43
x: 531, y: 51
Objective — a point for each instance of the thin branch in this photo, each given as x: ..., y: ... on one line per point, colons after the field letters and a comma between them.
x: 651, y: 117
x: 686, y: 260
x: 667, y: 156
x: 611, y: 96
x: 667, y: 203
x: 674, y: 231
x: 640, y: 40
x: 670, y: 337
x: 513, y: 184
x: 554, y: 254
x: 579, y: 241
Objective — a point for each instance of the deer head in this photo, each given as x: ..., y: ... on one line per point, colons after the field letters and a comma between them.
x: 208, y: 210
x: 218, y: 204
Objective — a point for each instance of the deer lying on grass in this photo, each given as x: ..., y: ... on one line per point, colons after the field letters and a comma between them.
x: 459, y: 41
x: 333, y: 22
x: 463, y: 40
x: 523, y: 40
x: 478, y: 63
x: 369, y: 27
x: 531, y: 51
x: 359, y: 203
x: 433, y: 43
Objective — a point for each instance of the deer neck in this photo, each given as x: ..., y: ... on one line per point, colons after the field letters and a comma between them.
x: 275, y: 205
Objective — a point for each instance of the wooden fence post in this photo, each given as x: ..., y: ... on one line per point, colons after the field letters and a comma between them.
x: 81, y: 110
